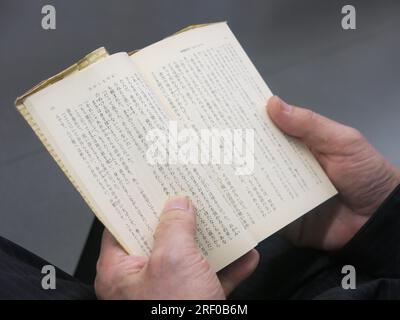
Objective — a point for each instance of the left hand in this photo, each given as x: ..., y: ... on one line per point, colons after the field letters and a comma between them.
x: 361, y: 175
x: 176, y: 268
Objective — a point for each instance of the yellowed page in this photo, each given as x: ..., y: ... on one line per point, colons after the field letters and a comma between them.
x: 96, y: 121
x: 205, y: 78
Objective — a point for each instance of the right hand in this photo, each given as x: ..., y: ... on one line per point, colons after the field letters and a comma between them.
x: 361, y: 175
x: 176, y: 268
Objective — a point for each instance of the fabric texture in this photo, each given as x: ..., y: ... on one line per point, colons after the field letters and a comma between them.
x: 284, y: 272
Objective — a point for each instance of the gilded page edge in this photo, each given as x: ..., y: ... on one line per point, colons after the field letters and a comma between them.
x: 76, y: 67
x: 81, y: 64
x: 89, y: 59
x: 188, y: 28
x: 32, y: 123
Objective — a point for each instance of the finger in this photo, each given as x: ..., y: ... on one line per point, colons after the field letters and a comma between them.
x: 177, y: 225
x: 232, y: 275
x: 315, y: 130
x: 110, y: 250
x: 114, y: 265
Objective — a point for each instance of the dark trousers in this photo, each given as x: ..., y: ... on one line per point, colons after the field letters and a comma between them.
x: 285, y: 272
x: 21, y: 277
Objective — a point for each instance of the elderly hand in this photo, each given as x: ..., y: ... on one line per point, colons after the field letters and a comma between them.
x: 360, y: 174
x: 176, y: 268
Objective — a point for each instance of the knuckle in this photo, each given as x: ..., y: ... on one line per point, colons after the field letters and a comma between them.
x: 104, y: 289
x: 101, y: 286
x: 310, y: 118
x: 352, y: 136
x: 157, y: 263
x: 102, y: 266
x: 175, y: 216
x: 99, y: 266
x: 107, y: 283
x: 310, y: 115
x: 175, y: 258
x: 165, y: 258
x: 355, y: 134
x: 347, y: 139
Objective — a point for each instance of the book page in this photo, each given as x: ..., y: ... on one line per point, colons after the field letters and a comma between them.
x: 206, y: 80
x: 97, y: 121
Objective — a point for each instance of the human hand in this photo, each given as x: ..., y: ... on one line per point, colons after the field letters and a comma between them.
x: 176, y: 268
x: 361, y: 175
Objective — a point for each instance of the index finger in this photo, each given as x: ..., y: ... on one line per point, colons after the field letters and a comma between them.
x: 110, y: 250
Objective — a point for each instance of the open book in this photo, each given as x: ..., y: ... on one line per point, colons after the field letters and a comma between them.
x: 116, y: 123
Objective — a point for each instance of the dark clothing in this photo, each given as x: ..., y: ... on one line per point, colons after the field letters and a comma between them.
x: 21, y: 277
x: 284, y: 272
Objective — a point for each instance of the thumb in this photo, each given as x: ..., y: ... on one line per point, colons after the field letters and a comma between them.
x: 177, y: 225
x: 232, y: 275
x: 318, y: 132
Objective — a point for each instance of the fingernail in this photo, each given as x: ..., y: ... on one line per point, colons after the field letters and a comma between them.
x: 177, y: 203
x: 287, y: 108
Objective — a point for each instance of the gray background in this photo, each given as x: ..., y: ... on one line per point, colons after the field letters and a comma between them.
x: 298, y: 46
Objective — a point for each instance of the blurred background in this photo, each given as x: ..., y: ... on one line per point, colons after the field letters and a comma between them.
x: 298, y: 46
